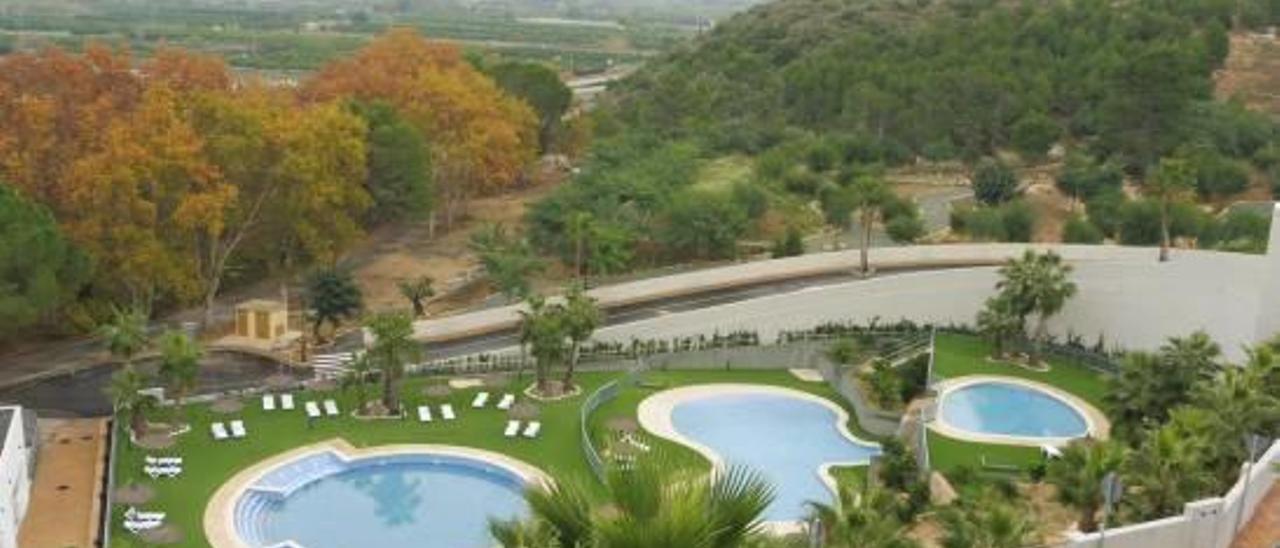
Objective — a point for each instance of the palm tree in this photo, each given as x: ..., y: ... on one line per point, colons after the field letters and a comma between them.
x: 865, y: 517
x: 357, y: 377
x: 393, y: 347
x: 1167, y: 469
x: 652, y: 504
x: 998, y: 323
x: 126, y: 333
x: 1039, y: 284
x: 581, y: 318
x: 1173, y: 178
x: 543, y: 326
x: 129, y: 403
x: 988, y: 521
x: 1078, y: 475
x: 417, y: 291
x: 1149, y: 386
x: 1238, y: 404
x: 179, y: 363
x: 580, y: 227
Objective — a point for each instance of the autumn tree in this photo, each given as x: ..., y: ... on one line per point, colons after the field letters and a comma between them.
x: 481, y: 139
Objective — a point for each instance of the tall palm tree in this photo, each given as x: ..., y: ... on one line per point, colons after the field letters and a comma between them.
x: 988, y: 521
x: 1078, y: 475
x: 357, y: 377
x: 1171, y: 181
x: 126, y: 333
x: 581, y: 318
x: 543, y: 326
x: 865, y: 517
x: 179, y: 363
x: 129, y: 403
x: 1037, y: 284
x: 652, y: 504
x: 1239, y: 404
x: 998, y: 323
x: 1167, y: 469
x: 393, y: 347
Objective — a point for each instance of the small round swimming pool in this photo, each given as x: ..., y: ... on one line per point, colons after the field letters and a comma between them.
x: 405, y: 500
x: 1009, y: 409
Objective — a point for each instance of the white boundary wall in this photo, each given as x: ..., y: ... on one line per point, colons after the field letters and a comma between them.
x: 15, y: 481
x: 1207, y: 523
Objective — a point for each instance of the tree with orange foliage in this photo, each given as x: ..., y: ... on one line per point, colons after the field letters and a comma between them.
x: 481, y: 139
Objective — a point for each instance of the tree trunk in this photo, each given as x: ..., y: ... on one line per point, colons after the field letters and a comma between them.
x: 389, y: 393
x: 1088, y: 519
x: 866, y: 243
x: 1164, y: 231
x: 573, y: 364
x: 577, y: 256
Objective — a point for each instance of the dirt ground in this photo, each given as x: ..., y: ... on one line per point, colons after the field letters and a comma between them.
x: 1252, y: 72
x: 64, y: 499
x: 1263, y: 529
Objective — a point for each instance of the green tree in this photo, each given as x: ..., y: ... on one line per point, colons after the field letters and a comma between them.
x: 987, y: 520
x: 418, y: 291
x: 581, y: 225
x: 994, y: 182
x: 509, y: 261
x: 581, y: 318
x: 1037, y: 284
x: 863, y: 517
x: 393, y: 348
x: 1078, y: 475
x: 861, y: 201
x: 1148, y: 386
x: 1079, y: 230
x: 39, y: 269
x: 540, y: 87
x: 1082, y: 177
x: 126, y: 333
x: 356, y: 378
x: 1150, y: 91
x: 1034, y: 134
x: 179, y: 363
x: 999, y: 324
x: 334, y: 297
x: 703, y: 225
x: 542, y: 325
x: 1173, y: 178
x: 652, y: 504
x: 1163, y: 473
x: 130, y: 405
x: 398, y: 164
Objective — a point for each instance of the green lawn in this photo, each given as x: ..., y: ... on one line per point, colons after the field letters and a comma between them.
x: 209, y: 464
x: 959, y: 355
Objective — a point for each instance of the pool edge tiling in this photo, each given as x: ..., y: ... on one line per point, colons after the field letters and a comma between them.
x: 221, y: 529
x: 655, y: 414
x: 1096, y: 424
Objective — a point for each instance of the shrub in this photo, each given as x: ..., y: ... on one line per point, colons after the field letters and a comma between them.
x: 994, y: 182
x: 898, y: 469
x: 905, y: 228
x: 791, y: 244
x: 1217, y: 175
x: 750, y: 198
x: 1239, y: 230
x: 843, y: 352
x: 1034, y: 134
x: 1018, y: 221
x: 1140, y: 223
x: 886, y: 385
x: 802, y: 181
x: 1079, y: 230
x: 1084, y: 178
x: 1106, y: 210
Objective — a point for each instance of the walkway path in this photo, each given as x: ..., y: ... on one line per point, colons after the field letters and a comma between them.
x: 1263, y: 530
x: 64, y: 499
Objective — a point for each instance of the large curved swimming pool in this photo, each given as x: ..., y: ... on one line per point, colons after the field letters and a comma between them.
x: 790, y: 439
x: 405, y: 500
x: 1010, y: 409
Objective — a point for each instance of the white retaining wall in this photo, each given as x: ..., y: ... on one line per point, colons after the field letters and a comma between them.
x: 1207, y: 523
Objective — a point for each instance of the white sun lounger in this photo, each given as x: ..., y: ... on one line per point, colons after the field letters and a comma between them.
x: 424, y: 413
x: 513, y: 428
x: 446, y: 411
x: 219, y: 431
x: 164, y: 461
x: 137, y: 526
x: 506, y: 401
x: 531, y: 431
x: 237, y: 429
x: 481, y: 399
x: 162, y: 471
x: 135, y: 514
x: 330, y: 408
x: 313, y: 410
x: 286, y: 402
x: 268, y: 402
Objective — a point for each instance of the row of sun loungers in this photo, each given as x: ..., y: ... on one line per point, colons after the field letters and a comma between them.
x: 330, y: 409
x: 269, y: 402
x: 136, y: 521
x: 504, y: 404
x: 220, y: 430
x: 531, y: 429
x: 446, y: 413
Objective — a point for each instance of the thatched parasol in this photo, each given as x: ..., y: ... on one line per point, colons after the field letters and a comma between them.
x: 523, y: 411
x: 622, y: 425
x: 437, y: 390
x: 280, y: 381
x: 497, y: 380
x: 133, y: 495
x: 323, y: 385
x: 164, y: 534
x: 156, y: 440
x: 227, y: 406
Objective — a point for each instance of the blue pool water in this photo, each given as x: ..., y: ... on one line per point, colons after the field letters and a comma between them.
x: 389, y: 502
x: 1011, y: 410
x: 785, y: 438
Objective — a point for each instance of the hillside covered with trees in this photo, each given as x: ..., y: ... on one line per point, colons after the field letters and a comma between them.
x: 821, y: 94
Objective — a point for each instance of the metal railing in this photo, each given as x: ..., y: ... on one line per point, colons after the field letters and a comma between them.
x: 113, y: 431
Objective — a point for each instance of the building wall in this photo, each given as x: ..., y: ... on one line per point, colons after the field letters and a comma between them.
x: 15, y: 481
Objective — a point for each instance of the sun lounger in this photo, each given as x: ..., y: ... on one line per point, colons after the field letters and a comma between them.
x: 330, y: 408
x: 481, y: 399
x: 286, y: 402
x: 446, y: 411
x: 424, y: 413
x: 135, y: 514
x: 164, y: 461
x: 313, y: 410
x: 513, y: 428
x: 268, y: 402
x: 531, y: 431
x: 237, y: 429
x: 162, y: 471
x: 138, y: 526
x: 506, y: 401
x: 219, y: 431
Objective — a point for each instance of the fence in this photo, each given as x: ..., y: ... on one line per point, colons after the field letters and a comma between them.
x: 113, y: 432
x: 601, y: 396
x: 1206, y: 523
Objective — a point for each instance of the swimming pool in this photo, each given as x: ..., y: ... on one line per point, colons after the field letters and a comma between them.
x: 1012, y: 410
x: 324, y: 500
x: 790, y: 437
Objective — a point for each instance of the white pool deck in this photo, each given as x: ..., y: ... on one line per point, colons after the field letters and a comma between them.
x: 1097, y: 425
x: 219, y: 515
x: 654, y: 414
